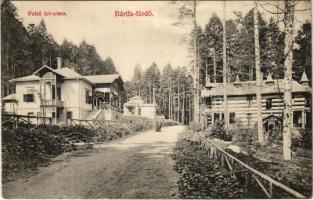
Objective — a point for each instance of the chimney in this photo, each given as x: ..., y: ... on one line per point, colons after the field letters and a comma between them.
x: 59, y: 62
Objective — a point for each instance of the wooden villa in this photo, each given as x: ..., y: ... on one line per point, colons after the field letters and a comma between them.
x: 242, y: 107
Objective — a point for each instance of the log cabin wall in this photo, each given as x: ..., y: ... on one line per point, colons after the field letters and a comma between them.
x: 243, y: 110
x: 242, y: 105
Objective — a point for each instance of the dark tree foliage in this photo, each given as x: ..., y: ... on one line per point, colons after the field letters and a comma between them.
x: 43, y: 47
x: 15, y: 47
x: 303, y: 54
x: 24, y: 50
x: 171, y: 81
x: 214, y: 47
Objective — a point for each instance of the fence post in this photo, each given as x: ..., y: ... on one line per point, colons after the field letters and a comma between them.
x: 17, y: 121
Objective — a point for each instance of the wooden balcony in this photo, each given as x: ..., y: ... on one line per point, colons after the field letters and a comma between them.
x: 52, y: 103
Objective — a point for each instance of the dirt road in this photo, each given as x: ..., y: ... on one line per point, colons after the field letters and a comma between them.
x: 136, y: 167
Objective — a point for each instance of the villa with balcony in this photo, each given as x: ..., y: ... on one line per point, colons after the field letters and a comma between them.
x: 63, y: 94
x: 242, y: 105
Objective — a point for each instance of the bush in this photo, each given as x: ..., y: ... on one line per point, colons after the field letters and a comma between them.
x: 200, y: 177
x: 305, y: 139
x: 30, y: 146
x: 245, y: 135
x: 219, y: 131
x: 194, y: 126
x: 169, y: 122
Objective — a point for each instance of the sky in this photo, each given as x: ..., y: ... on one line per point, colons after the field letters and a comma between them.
x: 133, y: 40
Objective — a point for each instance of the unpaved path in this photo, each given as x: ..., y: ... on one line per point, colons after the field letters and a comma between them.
x: 136, y: 167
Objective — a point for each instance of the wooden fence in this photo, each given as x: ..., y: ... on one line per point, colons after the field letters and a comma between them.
x: 15, y: 120
x: 265, y: 183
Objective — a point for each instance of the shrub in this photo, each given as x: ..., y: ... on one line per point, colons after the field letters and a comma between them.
x: 199, y: 176
x: 219, y: 131
x: 245, y: 135
x: 305, y: 139
x: 194, y: 126
x: 169, y: 122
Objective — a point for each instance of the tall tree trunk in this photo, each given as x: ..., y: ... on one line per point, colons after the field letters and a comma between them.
x: 195, y: 66
x: 214, y: 64
x: 183, y: 111
x: 169, y: 101
x: 258, y: 75
x: 289, y: 40
x: 178, y: 103
x: 225, y: 69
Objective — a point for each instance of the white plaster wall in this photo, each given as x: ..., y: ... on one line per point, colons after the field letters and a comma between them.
x: 148, y: 111
x: 26, y: 107
x: 10, y: 107
x: 73, y: 95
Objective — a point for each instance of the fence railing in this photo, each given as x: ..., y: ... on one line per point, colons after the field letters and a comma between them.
x: 28, y: 119
x: 15, y: 120
x: 266, y: 184
x: 91, y: 123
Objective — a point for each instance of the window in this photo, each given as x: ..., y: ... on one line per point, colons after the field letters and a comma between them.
x: 297, y: 118
x: 53, y: 91
x: 58, y: 114
x: 53, y: 114
x: 69, y: 115
x: 249, y: 99
x: 131, y: 110
x: 87, y: 96
x: 268, y: 104
x: 139, y: 111
x: 28, y: 97
x: 59, y: 93
x: 208, y: 102
x: 232, y: 117
x: 216, y: 117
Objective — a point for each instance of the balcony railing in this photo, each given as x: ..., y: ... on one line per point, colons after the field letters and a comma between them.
x: 53, y: 103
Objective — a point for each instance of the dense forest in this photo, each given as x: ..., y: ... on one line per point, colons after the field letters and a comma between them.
x: 240, y: 58
x: 240, y: 48
x: 25, y: 49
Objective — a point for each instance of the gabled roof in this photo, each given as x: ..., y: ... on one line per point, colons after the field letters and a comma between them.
x: 137, y: 101
x: 42, y: 68
x: 67, y: 73
x: 10, y: 97
x: 26, y: 78
x: 107, y: 78
x: 249, y: 88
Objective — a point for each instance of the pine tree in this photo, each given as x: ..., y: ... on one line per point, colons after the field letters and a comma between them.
x: 214, y: 43
x: 15, y: 47
x: 303, y: 52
